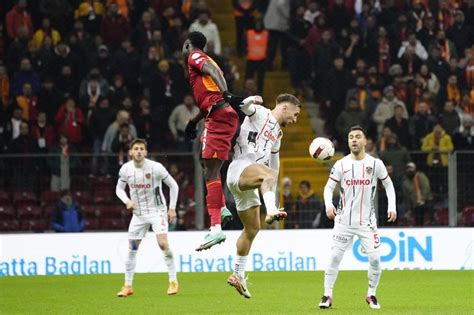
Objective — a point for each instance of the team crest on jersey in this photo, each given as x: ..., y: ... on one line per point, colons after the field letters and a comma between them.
x: 368, y: 170
x: 147, y: 175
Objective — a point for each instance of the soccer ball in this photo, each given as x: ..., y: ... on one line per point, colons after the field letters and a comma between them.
x: 321, y: 149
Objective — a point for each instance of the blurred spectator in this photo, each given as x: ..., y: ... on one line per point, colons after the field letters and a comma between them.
x: 144, y: 29
x: 437, y: 65
x: 62, y: 163
x: 66, y: 82
x: 399, y: 125
x: 63, y: 56
x: 309, y: 207
x: 362, y: 94
x: 463, y: 138
x: 122, y: 6
x: 11, y: 129
x: 420, y: 124
x: 43, y: 133
x: 371, y: 149
x: 243, y: 16
x: 24, y: 75
x: 322, y: 59
x: 143, y: 121
x: 460, y: 33
x: 49, y: 99
x: 204, y: 25
x: 102, y: 62
x: 415, y: 45
x: 257, y: 42
x: 17, y: 17
x: 438, y: 144
x: 28, y: 103
x: 178, y: 119
x: 427, y: 81
x: 67, y: 217
x: 120, y: 145
x: 90, y: 12
x: 339, y: 15
x: 126, y: 62
x: 93, y: 87
x: 277, y: 22
x: 46, y: 30
x: 312, y: 12
x: 122, y: 117
x: 289, y: 203
x: 4, y: 86
x: 417, y: 194
x: 386, y: 108
x: 117, y: 91
x: 446, y: 46
x: 350, y: 116
x: 449, y: 119
x: 398, y: 157
x: 453, y: 93
x: 382, y: 143
x: 249, y: 89
x: 23, y: 168
x: 114, y: 27
x: 69, y: 120
x: 410, y: 63
x: 100, y: 119
x: 427, y: 33
x: 60, y: 12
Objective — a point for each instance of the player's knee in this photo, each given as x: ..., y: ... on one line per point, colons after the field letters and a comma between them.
x: 252, y: 231
x: 336, y: 255
x: 374, y: 260
x: 163, y: 244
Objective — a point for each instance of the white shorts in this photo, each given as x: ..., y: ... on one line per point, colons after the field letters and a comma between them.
x: 139, y: 225
x: 343, y: 235
x: 243, y: 199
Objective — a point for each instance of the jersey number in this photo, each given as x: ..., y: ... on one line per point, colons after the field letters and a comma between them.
x: 252, y: 138
x: 376, y: 240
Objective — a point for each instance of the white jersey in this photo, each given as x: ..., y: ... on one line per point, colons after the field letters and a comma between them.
x: 260, y: 135
x: 358, y: 179
x: 145, y: 184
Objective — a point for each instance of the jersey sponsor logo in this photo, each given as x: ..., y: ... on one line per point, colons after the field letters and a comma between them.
x: 340, y: 238
x: 140, y: 186
x: 368, y: 170
x: 269, y: 135
x: 357, y: 182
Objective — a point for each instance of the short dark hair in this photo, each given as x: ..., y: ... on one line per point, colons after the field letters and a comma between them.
x: 306, y: 183
x: 357, y: 127
x: 138, y: 140
x: 290, y: 98
x: 197, y: 39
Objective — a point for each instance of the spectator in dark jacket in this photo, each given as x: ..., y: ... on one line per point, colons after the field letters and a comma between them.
x: 102, y: 116
x: 67, y: 216
x: 420, y: 125
x: 450, y: 118
x: 24, y: 167
x: 25, y: 75
x: 114, y: 27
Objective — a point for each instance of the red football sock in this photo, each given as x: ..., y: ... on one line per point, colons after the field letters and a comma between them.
x: 215, y: 200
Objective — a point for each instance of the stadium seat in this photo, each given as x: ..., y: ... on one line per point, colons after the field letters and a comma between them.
x: 34, y: 225
x: 468, y: 216
x: 90, y: 210
x: 9, y: 225
x: 48, y: 210
x: 29, y: 212
x: 81, y: 196
x: 7, y: 212
x: 49, y: 197
x: 189, y: 220
x: 103, y: 196
x: 109, y: 211
x: 112, y: 224
x: 4, y: 197
x: 25, y: 198
x: 92, y: 224
x: 442, y: 216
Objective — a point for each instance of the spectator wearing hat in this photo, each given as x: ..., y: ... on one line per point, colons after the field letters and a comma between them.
x: 386, y: 108
x: 417, y: 194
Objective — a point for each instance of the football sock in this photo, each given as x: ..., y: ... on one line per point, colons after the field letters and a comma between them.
x: 239, y: 268
x: 130, y: 263
x: 332, y: 270
x: 270, y: 202
x: 169, y: 261
x: 216, y: 229
x: 214, y: 199
x: 374, y: 273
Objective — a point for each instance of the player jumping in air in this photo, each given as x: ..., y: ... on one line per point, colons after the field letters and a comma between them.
x: 358, y: 174
x: 255, y: 167
x: 144, y: 179
x: 221, y: 122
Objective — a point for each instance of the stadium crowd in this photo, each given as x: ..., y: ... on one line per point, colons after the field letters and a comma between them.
x: 88, y: 76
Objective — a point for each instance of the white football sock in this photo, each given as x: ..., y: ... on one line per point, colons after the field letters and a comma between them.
x: 332, y: 270
x: 239, y: 268
x: 216, y: 229
x: 169, y: 261
x: 374, y: 273
x: 270, y: 202
x: 130, y: 263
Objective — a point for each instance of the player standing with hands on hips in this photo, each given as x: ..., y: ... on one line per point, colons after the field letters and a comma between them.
x: 144, y: 178
x: 221, y: 122
x: 358, y: 174
x: 255, y: 167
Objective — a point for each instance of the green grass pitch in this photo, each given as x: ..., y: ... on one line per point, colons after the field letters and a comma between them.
x: 400, y: 292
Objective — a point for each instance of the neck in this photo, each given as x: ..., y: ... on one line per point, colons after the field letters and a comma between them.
x: 358, y: 156
x: 139, y: 164
x: 276, y: 114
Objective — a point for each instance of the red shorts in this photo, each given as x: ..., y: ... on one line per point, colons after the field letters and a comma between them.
x: 219, y: 129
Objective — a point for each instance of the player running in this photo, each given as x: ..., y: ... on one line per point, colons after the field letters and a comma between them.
x: 358, y: 174
x: 255, y: 166
x: 221, y: 122
x: 144, y: 179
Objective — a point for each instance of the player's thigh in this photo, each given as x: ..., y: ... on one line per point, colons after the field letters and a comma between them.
x: 212, y: 168
x: 253, y: 175
x: 159, y: 223
x: 369, y: 239
x: 341, y: 237
x: 137, y: 228
x: 250, y: 218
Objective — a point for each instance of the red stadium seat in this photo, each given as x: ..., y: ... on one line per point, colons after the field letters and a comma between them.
x: 48, y: 211
x: 9, y: 225
x: 24, y: 196
x: 81, y: 196
x: 34, y: 225
x: 112, y: 224
x: 442, y: 216
x: 7, y: 212
x: 90, y: 211
x: 4, y: 197
x: 110, y: 211
x: 468, y: 216
x: 101, y: 196
x: 92, y: 224
x: 29, y: 212
x: 189, y: 220
x: 49, y: 197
